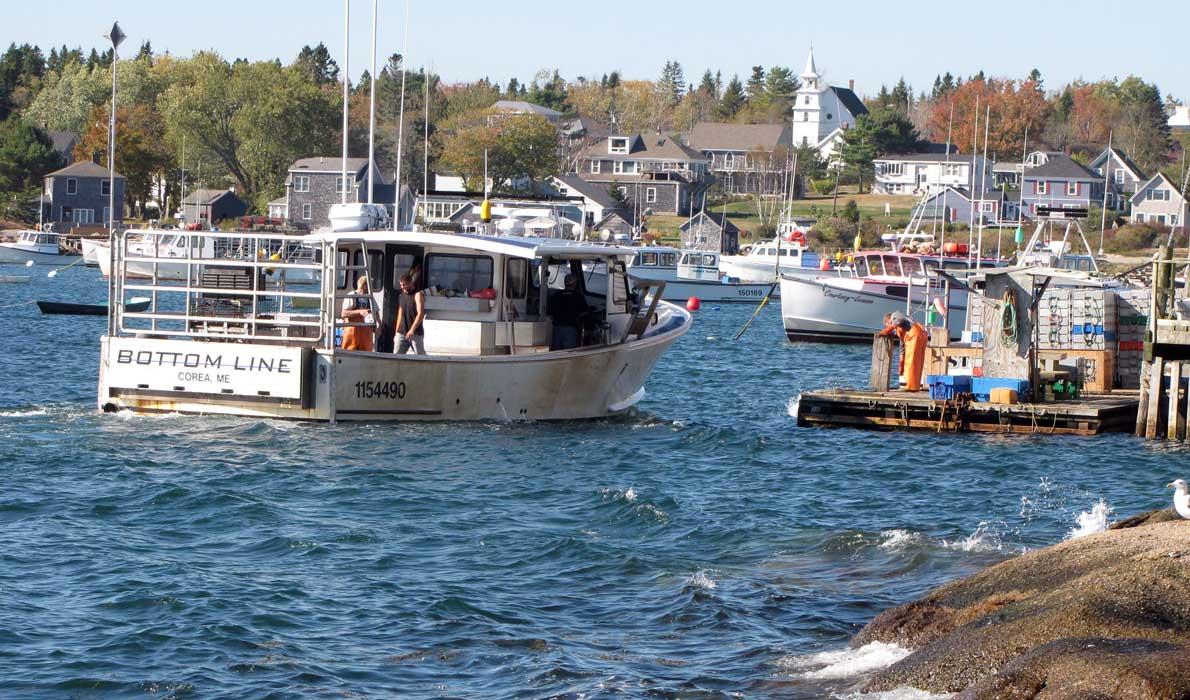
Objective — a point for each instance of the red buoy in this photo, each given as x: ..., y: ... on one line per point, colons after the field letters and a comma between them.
x: 824, y: 264
x: 693, y: 304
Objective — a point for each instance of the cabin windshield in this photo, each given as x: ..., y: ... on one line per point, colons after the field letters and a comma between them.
x: 892, y: 266
x: 669, y: 259
x: 911, y: 266
x: 457, y: 275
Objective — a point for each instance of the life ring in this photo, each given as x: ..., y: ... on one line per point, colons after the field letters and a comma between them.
x: 796, y: 236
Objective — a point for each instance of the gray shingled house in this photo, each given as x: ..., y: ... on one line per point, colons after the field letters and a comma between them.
x: 711, y: 232
x: 314, y: 184
x: 79, y: 195
x: 745, y: 158
x: 208, y: 207
x: 653, y: 172
x: 1060, y: 183
x: 1124, y: 177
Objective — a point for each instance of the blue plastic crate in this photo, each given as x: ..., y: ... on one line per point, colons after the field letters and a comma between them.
x: 982, y: 387
x: 946, y: 386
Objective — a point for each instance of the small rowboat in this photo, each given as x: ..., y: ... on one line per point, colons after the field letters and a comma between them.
x: 13, y: 279
x: 69, y: 309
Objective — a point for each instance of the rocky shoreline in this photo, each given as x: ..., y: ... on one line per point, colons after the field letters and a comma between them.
x: 1103, y: 616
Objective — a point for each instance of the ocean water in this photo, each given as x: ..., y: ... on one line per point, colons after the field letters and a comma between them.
x: 703, y: 547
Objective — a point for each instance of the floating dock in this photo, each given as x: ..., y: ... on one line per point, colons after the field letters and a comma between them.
x: 902, y: 410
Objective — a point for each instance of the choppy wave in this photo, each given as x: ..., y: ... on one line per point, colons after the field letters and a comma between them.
x: 844, y: 663
x: 1090, y: 522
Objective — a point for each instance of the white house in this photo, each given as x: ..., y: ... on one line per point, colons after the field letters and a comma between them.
x: 822, y: 113
x: 1159, y: 202
x: 917, y: 173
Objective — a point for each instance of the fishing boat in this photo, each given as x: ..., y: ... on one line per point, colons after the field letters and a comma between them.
x: 161, y: 253
x: 38, y: 247
x: 229, y: 339
x: 849, y: 305
x: 686, y: 273
x: 788, y: 253
x: 71, y: 309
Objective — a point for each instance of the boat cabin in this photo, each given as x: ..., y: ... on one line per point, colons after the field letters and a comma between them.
x: 38, y: 241
x: 484, y: 295
x: 699, y: 265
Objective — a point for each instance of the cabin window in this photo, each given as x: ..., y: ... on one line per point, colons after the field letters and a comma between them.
x: 875, y: 266
x: 619, y: 286
x: 648, y: 259
x: 458, y: 275
x: 669, y: 259
x: 516, y: 278
x: 355, y: 259
x: 72, y: 185
x: 911, y: 266
x: 896, y: 291
x: 891, y: 265
x: 861, y: 267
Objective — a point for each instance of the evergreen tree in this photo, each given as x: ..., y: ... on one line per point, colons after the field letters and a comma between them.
x: 316, y: 63
x: 672, y: 82
x: 145, y: 52
x: 1035, y: 76
x: 902, y: 95
x: 708, y: 85
x: 732, y: 101
x: 514, y: 87
x: 756, y: 83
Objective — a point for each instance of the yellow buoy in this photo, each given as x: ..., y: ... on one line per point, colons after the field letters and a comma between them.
x: 485, y: 211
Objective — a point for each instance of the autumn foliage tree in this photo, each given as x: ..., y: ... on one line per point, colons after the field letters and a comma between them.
x: 141, y: 151
x: 1014, y: 106
x: 518, y: 147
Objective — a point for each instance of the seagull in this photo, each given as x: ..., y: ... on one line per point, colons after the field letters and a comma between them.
x: 1181, y: 497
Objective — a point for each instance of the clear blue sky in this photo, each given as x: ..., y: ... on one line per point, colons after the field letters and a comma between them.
x: 868, y: 41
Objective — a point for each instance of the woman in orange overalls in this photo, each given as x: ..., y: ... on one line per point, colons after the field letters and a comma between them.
x: 914, y: 340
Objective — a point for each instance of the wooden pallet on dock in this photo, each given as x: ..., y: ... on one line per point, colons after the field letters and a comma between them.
x: 899, y: 410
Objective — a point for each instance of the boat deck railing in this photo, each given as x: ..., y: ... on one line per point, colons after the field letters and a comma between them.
x: 232, y: 286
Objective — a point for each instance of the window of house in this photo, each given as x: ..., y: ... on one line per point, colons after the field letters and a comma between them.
x: 805, y: 117
x: 650, y: 195
x: 806, y: 100
x: 72, y: 185
x: 1042, y: 187
x: 617, y: 145
x: 107, y: 216
x: 729, y: 160
x: 624, y: 167
x: 595, y: 166
x: 307, y: 212
x: 1159, y: 218
x: 339, y: 180
x: 894, y: 168
x: 1140, y: 217
x: 458, y: 275
x: 301, y: 183
x: 67, y: 214
x: 1159, y: 195
x: 623, y: 191
x: 1119, y: 176
x: 1071, y: 189
x: 987, y: 207
x: 829, y: 116
x: 105, y: 187
x: 1173, y: 219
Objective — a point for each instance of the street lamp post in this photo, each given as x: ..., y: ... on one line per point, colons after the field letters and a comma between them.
x: 116, y: 36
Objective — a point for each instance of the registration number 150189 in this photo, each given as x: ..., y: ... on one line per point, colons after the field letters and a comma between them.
x: 376, y: 390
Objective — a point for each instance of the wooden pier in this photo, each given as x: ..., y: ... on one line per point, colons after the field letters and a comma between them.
x: 901, y: 410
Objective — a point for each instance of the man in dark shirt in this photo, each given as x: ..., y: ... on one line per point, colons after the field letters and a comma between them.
x: 411, y: 313
x: 567, y: 308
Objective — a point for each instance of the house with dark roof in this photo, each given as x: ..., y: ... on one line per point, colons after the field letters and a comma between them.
x: 822, y: 113
x: 1123, y: 177
x: 64, y: 143
x: 312, y: 185
x: 1159, y: 202
x: 80, y: 194
x: 745, y: 158
x: 207, y: 207
x: 653, y: 172
x: 1059, y: 183
x: 597, y: 198
x: 712, y: 232
x: 918, y: 173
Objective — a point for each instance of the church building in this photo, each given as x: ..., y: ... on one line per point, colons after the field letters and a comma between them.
x: 822, y: 113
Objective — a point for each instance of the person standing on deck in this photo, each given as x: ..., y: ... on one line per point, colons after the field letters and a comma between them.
x: 358, y: 309
x: 567, y: 308
x: 411, y: 316
x: 914, y: 340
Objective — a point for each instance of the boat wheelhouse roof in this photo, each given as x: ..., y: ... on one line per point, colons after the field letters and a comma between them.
x: 512, y: 246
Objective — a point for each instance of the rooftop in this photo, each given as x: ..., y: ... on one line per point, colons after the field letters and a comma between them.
x: 526, y: 107
x: 84, y: 168
x: 720, y: 136
x: 1060, y: 166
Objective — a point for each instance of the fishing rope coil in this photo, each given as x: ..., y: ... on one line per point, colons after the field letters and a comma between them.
x: 1008, y: 320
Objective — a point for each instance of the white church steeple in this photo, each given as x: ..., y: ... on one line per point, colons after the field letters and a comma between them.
x: 810, y: 73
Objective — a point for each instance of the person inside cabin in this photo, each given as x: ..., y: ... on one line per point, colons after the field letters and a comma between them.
x: 411, y: 316
x: 914, y: 340
x: 358, y: 309
x: 568, y: 308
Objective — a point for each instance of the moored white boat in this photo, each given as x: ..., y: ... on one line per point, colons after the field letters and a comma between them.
x: 38, y: 247
x: 237, y: 343
x: 692, y: 273
x: 759, y: 264
x: 94, y: 249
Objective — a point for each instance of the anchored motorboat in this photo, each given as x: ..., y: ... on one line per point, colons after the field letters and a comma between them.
x: 38, y: 247
x: 94, y: 249
x: 760, y: 263
x: 161, y: 254
x: 686, y: 273
x: 230, y: 338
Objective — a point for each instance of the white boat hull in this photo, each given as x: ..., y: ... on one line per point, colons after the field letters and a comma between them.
x: 337, y: 385
x: 93, y: 250
x: 713, y: 291
x: 761, y: 273
x: 815, y: 310
x: 17, y: 256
